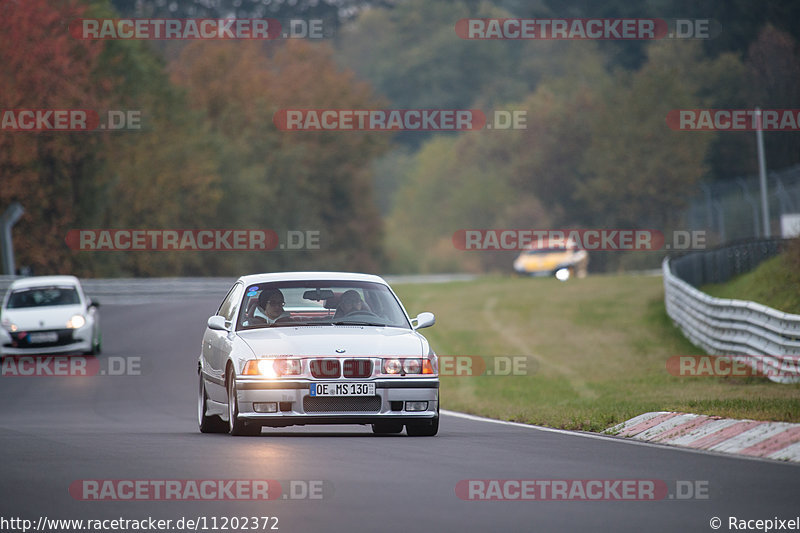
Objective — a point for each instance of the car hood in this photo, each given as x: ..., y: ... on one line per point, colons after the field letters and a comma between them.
x: 326, y: 340
x: 33, y: 318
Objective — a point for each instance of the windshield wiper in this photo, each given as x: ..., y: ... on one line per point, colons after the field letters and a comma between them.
x: 356, y: 323
x: 292, y: 324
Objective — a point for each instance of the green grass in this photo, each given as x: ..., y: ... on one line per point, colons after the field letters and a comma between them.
x: 774, y: 283
x: 597, y: 350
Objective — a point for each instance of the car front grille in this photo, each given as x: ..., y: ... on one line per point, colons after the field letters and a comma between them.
x: 357, y: 368
x: 340, y: 404
x: 325, y: 368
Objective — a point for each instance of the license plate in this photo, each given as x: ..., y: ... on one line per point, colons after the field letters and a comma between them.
x: 39, y: 338
x: 342, y: 389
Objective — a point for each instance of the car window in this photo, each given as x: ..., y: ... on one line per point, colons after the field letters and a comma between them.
x: 42, y: 297
x: 313, y: 303
x: 543, y: 251
x: 230, y: 303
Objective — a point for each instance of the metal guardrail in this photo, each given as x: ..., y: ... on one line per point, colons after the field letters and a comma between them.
x: 147, y: 290
x: 763, y: 338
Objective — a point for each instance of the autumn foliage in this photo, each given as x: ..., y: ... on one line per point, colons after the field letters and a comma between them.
x: 207, y: 154
x: 595, y: 151
x: 43, y: 68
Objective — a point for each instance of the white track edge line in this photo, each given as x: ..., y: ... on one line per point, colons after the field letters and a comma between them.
x: 612, y: 438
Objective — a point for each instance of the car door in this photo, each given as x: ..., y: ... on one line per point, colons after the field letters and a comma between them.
x: 217, y: 344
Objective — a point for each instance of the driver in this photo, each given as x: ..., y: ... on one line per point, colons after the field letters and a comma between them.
x: 270, y: 307
x: 350, y: 302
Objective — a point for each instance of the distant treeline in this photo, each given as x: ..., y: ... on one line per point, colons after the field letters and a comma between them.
x: 596, y: 151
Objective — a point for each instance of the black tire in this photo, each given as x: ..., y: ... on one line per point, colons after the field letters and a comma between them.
x: 97, y: 346
x: 208, y: 423
x: 425, y: 428
x: 237, y: 427
x: 387, y: 428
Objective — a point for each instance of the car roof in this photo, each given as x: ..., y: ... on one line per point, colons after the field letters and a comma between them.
x: 310, y: 276
x: 43, y: 281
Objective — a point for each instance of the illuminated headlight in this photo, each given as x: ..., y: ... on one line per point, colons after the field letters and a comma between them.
x: 77, y: 321
x: 10, y: 326
x: 267, y: 368
x: 410, y: 365
x: 272, y: 368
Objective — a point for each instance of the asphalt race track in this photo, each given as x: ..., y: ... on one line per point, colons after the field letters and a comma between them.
x: 55, y: 431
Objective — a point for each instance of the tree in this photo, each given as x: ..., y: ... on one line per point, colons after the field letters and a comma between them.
x: 773, y: 69
x: 157, y: 176
x: 638, y: 172
x: 48, y: 173
x: 288, y: 180
x: 597, y: 152
x: 413, y: 56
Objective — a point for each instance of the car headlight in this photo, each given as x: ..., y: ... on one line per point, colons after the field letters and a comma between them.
x: 410, y: 365
x: 10, y: 326
x: 272, y: 368
x: 392, y: 366
x: 77, y: 321
x: 562, y: 274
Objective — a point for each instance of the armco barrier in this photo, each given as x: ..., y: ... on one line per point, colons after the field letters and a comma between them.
x: 763, y: 337
x: 146, y: 290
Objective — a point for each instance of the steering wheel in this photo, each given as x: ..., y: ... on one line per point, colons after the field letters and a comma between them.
x: 284, y: 318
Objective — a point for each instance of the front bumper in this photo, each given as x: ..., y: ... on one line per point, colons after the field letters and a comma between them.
x: 296, y: 406
x: 534, y: 273
x: 541, y: 271
x: 67, y: 341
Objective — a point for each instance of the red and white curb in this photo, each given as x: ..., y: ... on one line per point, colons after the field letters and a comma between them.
x: 770, y: 440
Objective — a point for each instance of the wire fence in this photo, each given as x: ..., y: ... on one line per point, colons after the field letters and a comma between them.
x: 718, y: 265
x: 731, y: 210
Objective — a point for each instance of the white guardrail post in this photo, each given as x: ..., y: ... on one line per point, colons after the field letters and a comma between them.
x: 762, y: 337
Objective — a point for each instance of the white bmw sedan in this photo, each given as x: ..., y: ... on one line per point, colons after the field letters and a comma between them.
x: 48, y: 315
x: 316, y: 348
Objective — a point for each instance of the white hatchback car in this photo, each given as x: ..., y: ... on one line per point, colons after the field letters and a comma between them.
x: 48, y: 315
x: 316, y: 348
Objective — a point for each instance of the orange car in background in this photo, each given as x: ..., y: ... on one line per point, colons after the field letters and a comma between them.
x: 562, y: 259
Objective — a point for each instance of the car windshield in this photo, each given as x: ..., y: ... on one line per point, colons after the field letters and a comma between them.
x: 538, y: 251
x: 315, y: 303
x: 43, y: 297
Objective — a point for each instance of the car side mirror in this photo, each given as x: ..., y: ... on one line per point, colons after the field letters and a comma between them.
x: 217, y: 322
x: 93, y: 303
x: 424, y: 320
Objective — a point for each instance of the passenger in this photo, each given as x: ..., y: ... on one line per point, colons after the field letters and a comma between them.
x: 349, y: 302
